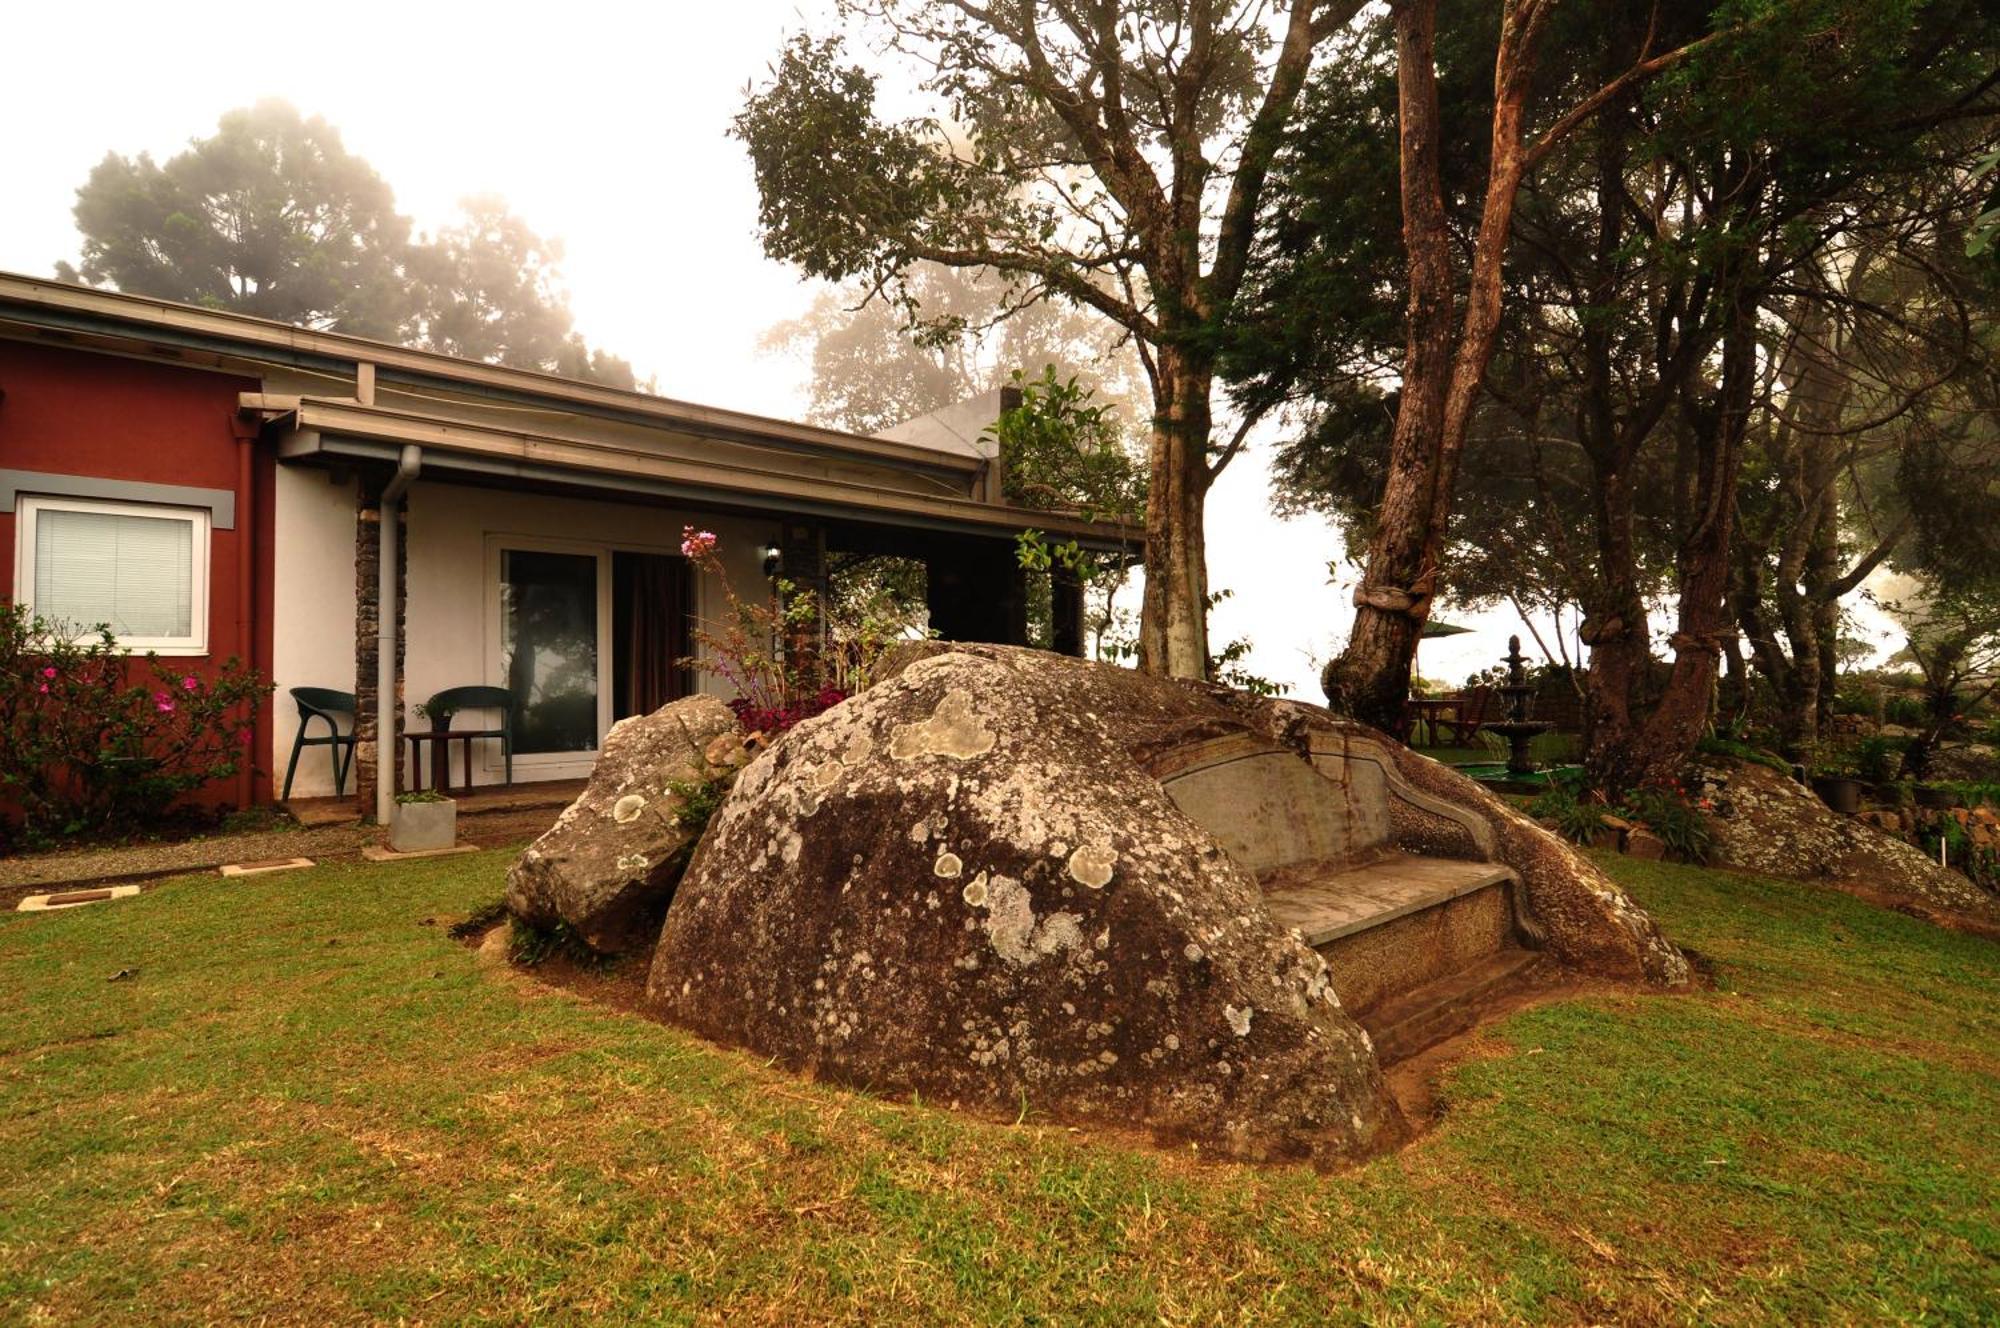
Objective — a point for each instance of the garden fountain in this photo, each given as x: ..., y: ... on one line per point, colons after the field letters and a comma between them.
x: 1518, y: 729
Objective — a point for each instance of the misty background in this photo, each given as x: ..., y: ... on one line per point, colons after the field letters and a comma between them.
x: 603, y: 127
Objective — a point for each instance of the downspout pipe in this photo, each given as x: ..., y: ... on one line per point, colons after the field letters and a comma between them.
x: 408, y: 465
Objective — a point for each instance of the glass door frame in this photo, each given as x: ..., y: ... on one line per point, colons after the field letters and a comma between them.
x: 495, y: 631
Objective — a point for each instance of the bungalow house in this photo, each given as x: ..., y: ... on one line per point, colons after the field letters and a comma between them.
x: 366, y: 518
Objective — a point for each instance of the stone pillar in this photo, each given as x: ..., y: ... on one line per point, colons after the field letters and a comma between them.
x: 367, y: 628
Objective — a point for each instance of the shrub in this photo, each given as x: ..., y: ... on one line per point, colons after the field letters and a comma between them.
x: 1576, y: 820
x: 788, y: 655
x: 1679, y: 824
x: 94, y: 741
x: 1877, y: 759
x: 1906, y: 710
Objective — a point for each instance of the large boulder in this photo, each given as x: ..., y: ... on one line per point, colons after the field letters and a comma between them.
x: 607, y: 868
x: 964, y: 882
x: 1766, y: 821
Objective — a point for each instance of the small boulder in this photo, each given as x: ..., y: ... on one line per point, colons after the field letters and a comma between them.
x: 1776, y: 825
x: 608, y: 866
x: 1644, y: 844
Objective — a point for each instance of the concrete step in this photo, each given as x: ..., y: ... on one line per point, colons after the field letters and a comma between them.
x: 1418, y: 1020
x: 1397, y: 922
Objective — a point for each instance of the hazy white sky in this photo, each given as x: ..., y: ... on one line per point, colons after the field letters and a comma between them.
x: 601, y: 124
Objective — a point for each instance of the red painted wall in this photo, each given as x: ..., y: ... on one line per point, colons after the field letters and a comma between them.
x: 77, y: 412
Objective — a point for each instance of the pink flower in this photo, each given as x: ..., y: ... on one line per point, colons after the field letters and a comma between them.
x: 190, y: 682
x: 697, y: 543
x: 163, y: 702
x: 43, y: 689
x: 49, y: 672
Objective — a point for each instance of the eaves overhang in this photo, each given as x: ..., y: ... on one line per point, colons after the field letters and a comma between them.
x: 340, y: 432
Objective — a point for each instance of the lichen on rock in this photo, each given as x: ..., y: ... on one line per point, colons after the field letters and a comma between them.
x: 995, y: 900
x: 607, y: 867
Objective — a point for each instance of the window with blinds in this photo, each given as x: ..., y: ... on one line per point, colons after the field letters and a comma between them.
x: 141, y: 570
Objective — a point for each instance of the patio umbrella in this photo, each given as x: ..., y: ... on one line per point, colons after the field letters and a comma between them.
x: 1433, y: 628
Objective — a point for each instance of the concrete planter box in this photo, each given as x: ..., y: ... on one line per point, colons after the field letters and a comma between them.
x: 423, y: 827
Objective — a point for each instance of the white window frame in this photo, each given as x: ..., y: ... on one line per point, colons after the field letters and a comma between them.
x: 30, y: 507
x: 555, y: 764
x: 496, y: 653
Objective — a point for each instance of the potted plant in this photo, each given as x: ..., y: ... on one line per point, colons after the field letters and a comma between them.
x: 1936, y: 796
x: 423, y: 822
x: 1837, y: 787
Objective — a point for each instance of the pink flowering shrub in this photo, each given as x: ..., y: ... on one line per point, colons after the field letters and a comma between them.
x: 785, y: 654
x: 94, y: 741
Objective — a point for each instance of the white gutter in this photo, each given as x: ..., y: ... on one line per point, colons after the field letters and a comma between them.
x: 407, y: 465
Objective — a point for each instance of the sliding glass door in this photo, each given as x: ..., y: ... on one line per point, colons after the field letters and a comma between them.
x: 582, y: 635
x: 549, y: 648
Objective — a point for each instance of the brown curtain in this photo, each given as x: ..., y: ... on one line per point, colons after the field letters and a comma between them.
x: 652, y: 616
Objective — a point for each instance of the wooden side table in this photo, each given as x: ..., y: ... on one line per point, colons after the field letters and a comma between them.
x: 440, y: 741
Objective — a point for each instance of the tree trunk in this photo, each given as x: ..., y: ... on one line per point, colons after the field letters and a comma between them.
x: 1683, y: 711
x: 1443, y: 364
x: 1173, y: 620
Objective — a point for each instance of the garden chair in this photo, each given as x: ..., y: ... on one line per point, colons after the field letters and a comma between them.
x: 444, y: 706
x: 1464, y: 725
x: 323, y: 703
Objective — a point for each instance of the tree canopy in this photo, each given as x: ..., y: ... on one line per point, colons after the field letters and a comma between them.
x: 1111, y: 156
x: 1737, y: 362
x: 273, y: 216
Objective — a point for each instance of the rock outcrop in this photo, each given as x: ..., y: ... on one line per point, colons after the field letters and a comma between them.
x: 1765, y: 821
x: 608, y: 866
x: 1586, y: 920
x: 966, y: 882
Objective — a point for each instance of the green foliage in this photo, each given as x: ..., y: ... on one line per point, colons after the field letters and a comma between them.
x: 1876, y: 759
x: 1904, y: 710
x: 421, y: 796
x: 700, y: 799
x: 273, y: 216
x: 530, y: 946
x: 270, y: 216
x: 1715, y: 745
x: 96, y: 742
x: 1680, y: 825
x: 1577, y: 819
x: 1062, y: 449
x: 1226, y: 665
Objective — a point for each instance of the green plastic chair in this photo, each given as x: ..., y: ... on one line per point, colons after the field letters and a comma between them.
x: 323, y: 703
x: 444, y: 706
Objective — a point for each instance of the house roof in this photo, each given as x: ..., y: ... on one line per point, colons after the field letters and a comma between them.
x: 330, y: 396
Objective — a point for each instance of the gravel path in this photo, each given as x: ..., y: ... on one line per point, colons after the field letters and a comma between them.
x: 31, y: 874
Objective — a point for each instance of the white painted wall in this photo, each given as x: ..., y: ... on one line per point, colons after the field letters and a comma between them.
x: 452, y: 621
x: 453, y: 632
x: 312, y: 630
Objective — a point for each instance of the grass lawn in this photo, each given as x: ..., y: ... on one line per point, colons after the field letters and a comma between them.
x: 306, y: 1107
